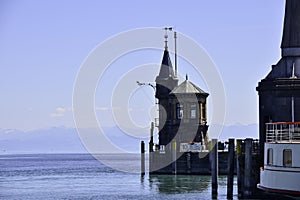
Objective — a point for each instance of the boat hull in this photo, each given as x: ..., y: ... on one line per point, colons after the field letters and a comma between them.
x: 278, y: 175
x: 279, y: 191
x: 280, y: 181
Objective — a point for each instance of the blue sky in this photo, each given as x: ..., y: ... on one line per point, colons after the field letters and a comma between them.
x: 43, y: 44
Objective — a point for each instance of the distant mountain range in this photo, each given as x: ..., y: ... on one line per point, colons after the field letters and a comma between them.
x: 239, y: 131
x: 67, y: 140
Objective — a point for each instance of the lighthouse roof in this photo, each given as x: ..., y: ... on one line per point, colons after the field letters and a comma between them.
x: 187, y: 87
x: 166, y: 69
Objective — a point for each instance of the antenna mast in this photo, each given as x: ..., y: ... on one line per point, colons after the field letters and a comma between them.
x: 293, y: 103
x: 175, y: 40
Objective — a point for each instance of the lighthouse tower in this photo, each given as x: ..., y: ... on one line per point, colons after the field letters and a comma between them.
x: 166, y: 81
x: 182, y: 133
x: 182, y: 108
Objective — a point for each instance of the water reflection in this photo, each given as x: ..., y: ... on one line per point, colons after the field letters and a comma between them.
x: 174, y: 184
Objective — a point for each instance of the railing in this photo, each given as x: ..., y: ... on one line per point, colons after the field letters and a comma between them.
x: 283, y: 132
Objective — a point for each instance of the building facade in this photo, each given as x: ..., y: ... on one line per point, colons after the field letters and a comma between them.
x: 182, y: 108
x: 279, y: 91
x: 182, y: 125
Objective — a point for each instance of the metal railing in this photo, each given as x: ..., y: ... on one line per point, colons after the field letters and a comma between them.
x: 283, y: 132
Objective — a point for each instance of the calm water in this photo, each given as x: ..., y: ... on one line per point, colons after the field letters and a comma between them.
x: 81, y: 176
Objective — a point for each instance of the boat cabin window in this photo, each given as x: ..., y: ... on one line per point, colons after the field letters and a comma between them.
x: 270, y: 156
x: 287, y: 157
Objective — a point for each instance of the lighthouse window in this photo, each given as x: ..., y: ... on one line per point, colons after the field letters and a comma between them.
x: 270, y: 157
x: 203, y: 112
x: 179, y: 111
x: 287, y: 157
x: 193, y: 111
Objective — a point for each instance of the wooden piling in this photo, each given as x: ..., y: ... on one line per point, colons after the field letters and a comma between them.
x: 151, y: 143
x: 142, y: 158
x: 248, y: 168
x: 174, y: 157
x: 238, y: 166
x: 151, y: 146
x: 214, y: 168
x: 230, y: 169
x: 188, y: 162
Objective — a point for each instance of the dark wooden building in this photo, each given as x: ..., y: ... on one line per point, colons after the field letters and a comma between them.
x: 182, y: 125
x: 279, y: 91
x: 182, y: 108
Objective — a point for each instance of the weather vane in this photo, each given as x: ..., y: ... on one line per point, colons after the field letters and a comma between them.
x: 175, y: 41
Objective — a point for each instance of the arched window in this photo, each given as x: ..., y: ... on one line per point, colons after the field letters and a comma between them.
x: 287, y: 158
x: 179, y: 111
x: 193, y: 111
x: 204, y: 112
x: 270, y: 156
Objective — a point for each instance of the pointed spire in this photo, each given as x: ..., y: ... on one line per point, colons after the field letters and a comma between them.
x: 166, y: 79
x: 290, y: 44
x: 166, y: 69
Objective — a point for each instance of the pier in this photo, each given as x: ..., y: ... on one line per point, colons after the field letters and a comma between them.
x: 185, y: 148
x: 241, y: 159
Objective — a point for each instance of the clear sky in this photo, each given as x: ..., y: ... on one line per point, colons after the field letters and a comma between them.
x: 43, y: 44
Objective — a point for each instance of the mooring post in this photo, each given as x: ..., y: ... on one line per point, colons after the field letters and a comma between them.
x: 248, y: 168
x: 142, y: 158
x: 214, y: 168
x: 151, y: 137
x: 151, y: 146
x: 230, y: 169
x: 238, y: 164
x: 174, y: 157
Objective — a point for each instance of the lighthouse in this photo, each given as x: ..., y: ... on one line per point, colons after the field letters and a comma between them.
x: 182, y: 123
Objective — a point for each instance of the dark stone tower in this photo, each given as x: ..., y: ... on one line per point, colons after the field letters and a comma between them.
x: 182, y: 124
x: 182, y: 108
x: 166, y: 81
x: 279, y: 91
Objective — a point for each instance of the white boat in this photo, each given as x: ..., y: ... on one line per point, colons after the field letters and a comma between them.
x: 281, y: 170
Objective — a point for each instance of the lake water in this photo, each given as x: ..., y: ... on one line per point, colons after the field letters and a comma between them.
x: 81, y: 176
